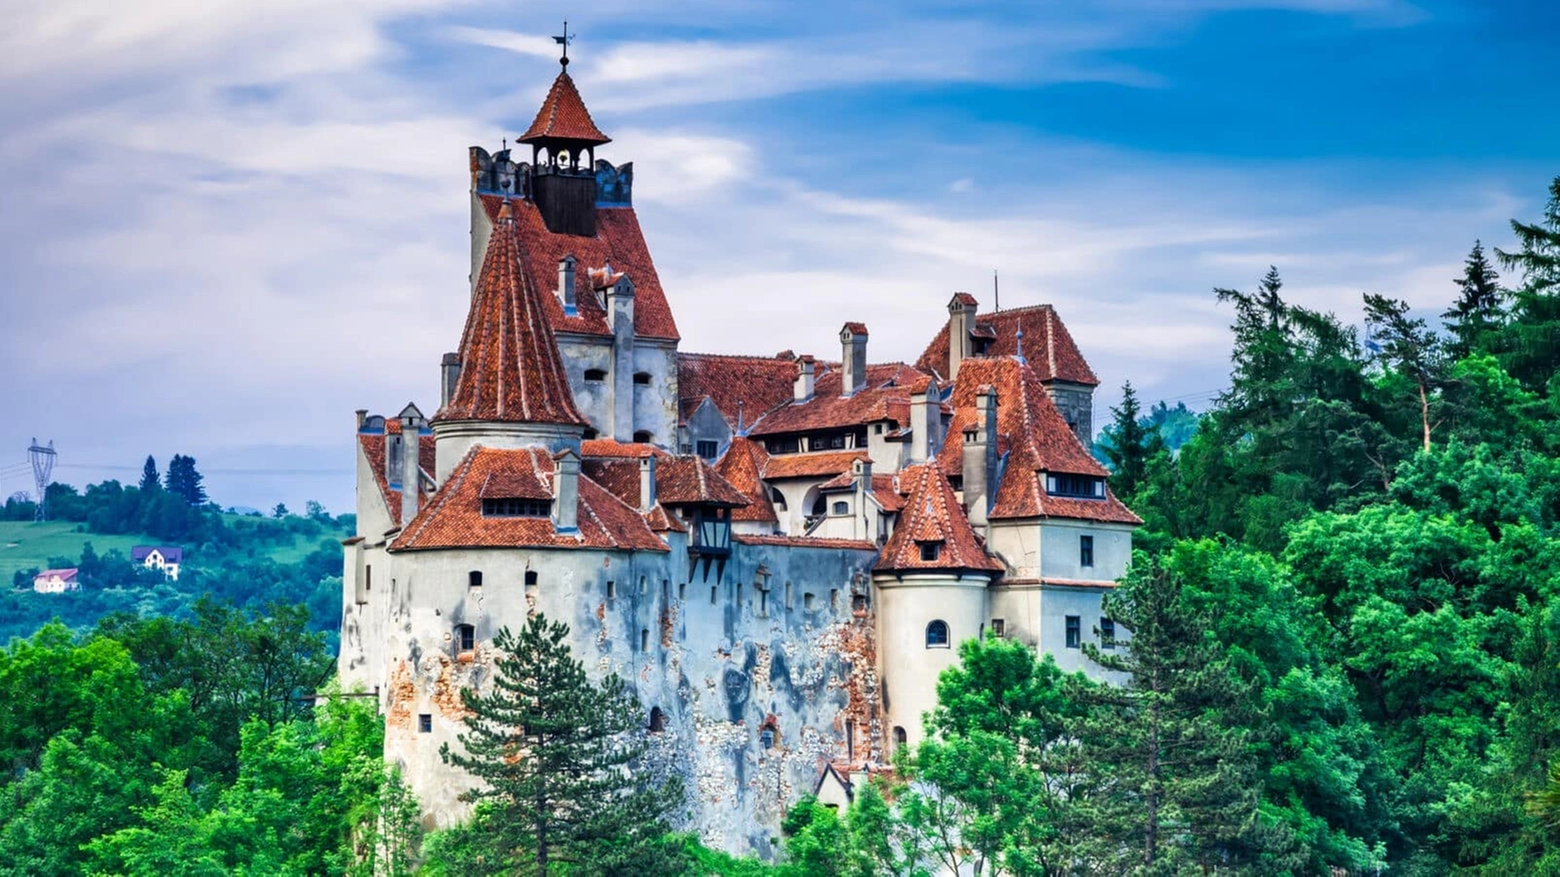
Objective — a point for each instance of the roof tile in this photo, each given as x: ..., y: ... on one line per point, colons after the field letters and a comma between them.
x: 932, y: 514
x: 563, y: 116
x: 1048, y: 345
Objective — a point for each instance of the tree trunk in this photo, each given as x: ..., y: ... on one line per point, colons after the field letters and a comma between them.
x: 1424, y: 412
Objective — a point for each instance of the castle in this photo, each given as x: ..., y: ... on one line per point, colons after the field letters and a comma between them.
x: 779, y: 554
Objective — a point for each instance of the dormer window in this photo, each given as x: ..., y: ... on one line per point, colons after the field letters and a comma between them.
x: 595, y: 375
x: 516, y: 508
x: 1081, y: 486
x: 931, y: 550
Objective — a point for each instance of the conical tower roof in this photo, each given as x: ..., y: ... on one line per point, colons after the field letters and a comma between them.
x: 932, y: 516
x: 563, y: 117
x: 510, y: 368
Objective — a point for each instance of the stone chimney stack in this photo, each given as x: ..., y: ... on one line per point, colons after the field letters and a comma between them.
x: 449, y: 375
x: 566, y: 491
x: 862, y: 469
x: 806, y: 371
x: 566, y: 285
x: 853, y: 358
x: 620, y: 313
x: 412, y: 423
x: 362, y: 415
x: 925, y: 424
x: 961, y: 319
x: 980, y: 457
x: 647, y: 483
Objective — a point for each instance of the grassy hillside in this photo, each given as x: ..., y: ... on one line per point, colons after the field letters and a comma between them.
x: 27, y: 545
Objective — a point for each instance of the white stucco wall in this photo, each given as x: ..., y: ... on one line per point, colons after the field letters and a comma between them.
x: 904, y: 609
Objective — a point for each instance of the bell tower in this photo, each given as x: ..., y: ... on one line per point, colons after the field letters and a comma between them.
x: 563, y: 140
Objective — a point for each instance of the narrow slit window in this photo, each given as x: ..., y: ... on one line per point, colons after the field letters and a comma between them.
x: 1107, y: 633
x: 1086, y: 551
x: 425, y: 723
x: 465, y: 637
x: 1074, y: 632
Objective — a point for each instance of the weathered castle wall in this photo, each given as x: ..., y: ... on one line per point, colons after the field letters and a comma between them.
x: 781, y: 641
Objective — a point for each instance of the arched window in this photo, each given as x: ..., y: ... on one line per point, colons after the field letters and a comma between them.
x: 937, y: 635
x: 657, y: 720
x: 778, y: 498
x: 900, y: 738
x: 595, y: 374
x: 768, y: 734
x: 474, y: 578
x: 642, y: 436
x: 465, y: 637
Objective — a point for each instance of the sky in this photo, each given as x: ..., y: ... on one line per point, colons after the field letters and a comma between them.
x: 226, y: 226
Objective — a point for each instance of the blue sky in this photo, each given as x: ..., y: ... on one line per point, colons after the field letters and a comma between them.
x: 226, y: 226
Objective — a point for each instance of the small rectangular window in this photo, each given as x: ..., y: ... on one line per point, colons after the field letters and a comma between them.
x: 708, y: 449
x: 516, y: 508
x: 841, y: 508
x: 1086, y: 551
x: 1107, y: 633
x: 682, y: 590
x: 931, y: 551
x: 807, y: 601
x: 368, y: 577
x: 998, y: 628
x: 1074, y: 632
x: 425, y: 723
x: 642, y: 378
x: 712, y: 596
x: 611, y: 590
x: 465, y: 637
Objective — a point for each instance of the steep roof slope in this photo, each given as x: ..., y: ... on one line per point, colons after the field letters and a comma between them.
x: 1048, y: 345
x: 563, y: 116
x: 931, y: 515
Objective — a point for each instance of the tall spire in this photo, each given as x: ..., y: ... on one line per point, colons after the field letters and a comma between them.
x: 563, y: 118
x: 511, y: 370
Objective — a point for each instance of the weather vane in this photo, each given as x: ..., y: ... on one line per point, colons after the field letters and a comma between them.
x: 564, y: 41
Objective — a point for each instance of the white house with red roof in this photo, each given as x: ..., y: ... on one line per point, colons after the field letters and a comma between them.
x: 778, y: 553
x: 56, y: 581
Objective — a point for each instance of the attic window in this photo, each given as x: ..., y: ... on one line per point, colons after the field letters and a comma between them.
x: 595, y: 374
x: 516, y: 508
x: 841, y: 508
x: 642, y: 437
x: 590, y: 434
x: 642, y: 378
x: 931, y: 550
x: 1084, y: 486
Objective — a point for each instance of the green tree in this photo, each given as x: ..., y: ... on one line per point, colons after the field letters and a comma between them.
x: 1407, y: 347
x: 1530, y: 342
x: 1479, y: 309
x: 1128, y: 445
x: 183, y: 479
x: 280, y: 511
x: 151, y: 482
x: 558, y: 759
x: 1172, y: 742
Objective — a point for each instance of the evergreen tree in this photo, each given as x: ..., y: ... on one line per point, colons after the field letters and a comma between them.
x: 150, y: 480
x: 1404, y: 344
x: 1171, y: 743
x: 558, y: 762
x: 1128, y: 445
x: 1530, y: 343
x: 183, y: 479
x: 1479, y: 308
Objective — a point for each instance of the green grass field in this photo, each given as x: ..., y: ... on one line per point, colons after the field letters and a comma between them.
x: 28, y: 545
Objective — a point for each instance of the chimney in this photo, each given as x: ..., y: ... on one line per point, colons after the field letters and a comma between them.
x: 620, y: 311
x: 961, y: 319
x: 805, y: 371
x: 853, y: 358
x: 980, y: 457
x: 925, y: 424
x: 362, y: 415
x: 566, y: 286
x: 411, y: 466
x: 647, y: 483
x: 862, y: 469
x: 566, y: 491
x: 449, y: 374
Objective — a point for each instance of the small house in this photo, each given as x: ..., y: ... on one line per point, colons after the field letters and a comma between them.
x: 56, y: 581
x: 163, y: 558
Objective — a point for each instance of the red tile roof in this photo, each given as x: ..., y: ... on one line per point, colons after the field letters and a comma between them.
x: 811, y: 465
x: 510, y: 366
x: 753, y: 385
x: 964, y: 298
x: 691, y: 481
x: 662, y: 521
x: 1048, y: 345
x: 618, y: 241
x: 453, y: 518
x: 563, y: 116
x: 802, y: 542
x: 932, y: 514
x: 884, y: 489
x: 605, y: 447
x: 886, y: 396
x: 618, y: 475
x: 856, y: 328
x: 742, y: 466
x: 374, y: 449
x: 1036, y: 439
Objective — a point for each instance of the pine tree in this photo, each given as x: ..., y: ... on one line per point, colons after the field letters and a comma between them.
x: 1479, y: 308
x: 151, y: 482
x: 558, y: 763
x: 1128, y: 445
x: 1180, y: 787
x: 1530, y: 342
x: 1404, y: 344
x: 183, y: 479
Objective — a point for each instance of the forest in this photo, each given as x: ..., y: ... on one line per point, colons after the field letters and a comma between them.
x: 1344, y: 658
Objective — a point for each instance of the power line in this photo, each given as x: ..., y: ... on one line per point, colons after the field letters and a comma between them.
x: 108, y: 468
